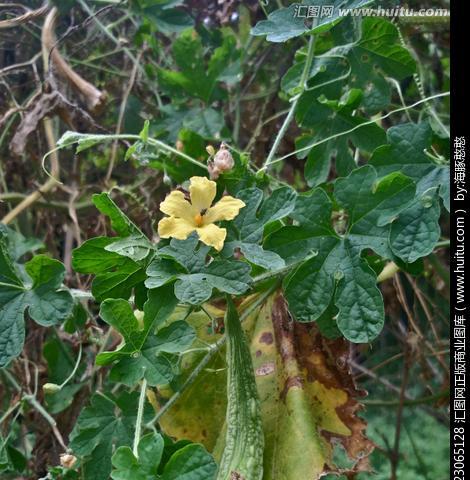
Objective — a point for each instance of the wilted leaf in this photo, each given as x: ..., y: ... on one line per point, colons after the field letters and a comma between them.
x: 308, y: 397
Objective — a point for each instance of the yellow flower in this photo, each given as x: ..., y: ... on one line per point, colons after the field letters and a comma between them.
x: 198, y: 215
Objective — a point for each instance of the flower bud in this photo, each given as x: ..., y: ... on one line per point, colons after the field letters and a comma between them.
x: 210, y: 150
x: 67, y: 460
x: 222, y: 162
x: 51, y: 388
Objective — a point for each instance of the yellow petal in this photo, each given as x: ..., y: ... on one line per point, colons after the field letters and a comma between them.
x: 176, y: 205
x: 202, y: 192
x: 227, y: 208
x: 178, y: 228
x: 212, y: 235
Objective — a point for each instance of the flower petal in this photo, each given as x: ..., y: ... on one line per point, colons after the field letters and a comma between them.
x: 202, y: 191
x: 178, y: 228
x: 227, y: 208
x: 176, y: 205
x: 212, y: 235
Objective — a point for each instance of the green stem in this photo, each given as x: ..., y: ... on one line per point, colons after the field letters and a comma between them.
x: 151, y: 141
x: 282, y: 271
x: 75, y: 368
x: 290, y: 115
x: 140, y: 414
x: 31, y: 399
x: 357, y: 127
x: 9, y: 412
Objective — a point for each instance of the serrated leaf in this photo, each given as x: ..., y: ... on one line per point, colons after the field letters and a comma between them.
x: 17, y: 244
x: 325, y: 76
x: 281, y: 25
x: 117, y: 263
x: 227, y: 276
x: 128, y: 467
x: 191, y: 462
x: 135, y: 247
x: 42, y: 297
x: 196, y: 77
x: 405, y: 152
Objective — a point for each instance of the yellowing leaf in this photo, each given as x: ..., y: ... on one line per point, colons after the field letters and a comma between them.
x: 308, y: 397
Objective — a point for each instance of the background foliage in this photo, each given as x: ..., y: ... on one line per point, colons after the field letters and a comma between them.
x: 339, y: 134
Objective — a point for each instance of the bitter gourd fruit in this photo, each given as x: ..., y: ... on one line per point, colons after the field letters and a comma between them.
x: 242, y: 458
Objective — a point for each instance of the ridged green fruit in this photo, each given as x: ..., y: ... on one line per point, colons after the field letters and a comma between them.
x: 242, y: 458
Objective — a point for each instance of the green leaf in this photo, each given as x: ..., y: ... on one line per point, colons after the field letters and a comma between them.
x: 405, y: 153
x: 196, y: 77
x: 136, y: 247
x: 328, y: 119
x: 106, y: 424
x: 287, y: 23
x: 227, y: 276
x: 191, y: 462
x: 372, y: 205
x: 119, y: 221
x: 163, y: 17
x: 416, y: 231
x: 189, y: 253
x: 17, y: 244
x: 247, y: 229
x: 204, y: 121
x: 42, y: 296
x: 326, y: 73
x: 115, y: 275
x: 128, y: 467
x: 195, y: 280
x: 117, y: 263
x: 374, y: 54
x: 336, y: 274
x: 142, y: 354
x: 281, y: 25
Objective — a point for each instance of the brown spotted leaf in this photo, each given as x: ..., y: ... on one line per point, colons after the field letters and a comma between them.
x: 308, y: 397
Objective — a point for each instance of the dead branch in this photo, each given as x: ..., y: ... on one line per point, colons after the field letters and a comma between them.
x: 26, y: 17
x: 49, y: 105
x: 93, y: 98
